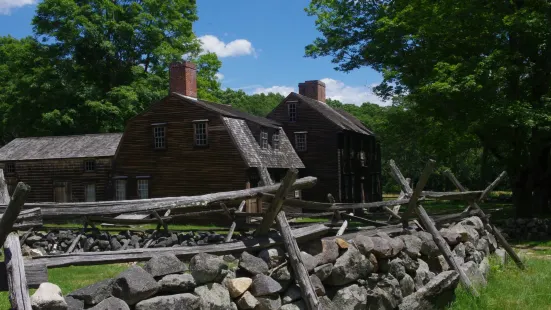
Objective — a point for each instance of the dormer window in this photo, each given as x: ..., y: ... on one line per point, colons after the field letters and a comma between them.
x: 200, y: 132
x: 264, y: 139
x: 275, y: 141
x: 292, y: 110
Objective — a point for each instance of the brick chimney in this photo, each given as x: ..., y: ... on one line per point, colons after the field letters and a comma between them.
x: 314, y: 89
x: 183, y: 78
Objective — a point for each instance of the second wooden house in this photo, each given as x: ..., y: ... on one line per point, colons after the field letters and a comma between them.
x: 334, y: 146
x: 185, y: 146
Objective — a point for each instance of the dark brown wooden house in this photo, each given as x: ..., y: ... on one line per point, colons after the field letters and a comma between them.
x: 185, y: 146
x: 63, y: 168
x: 334, y: 146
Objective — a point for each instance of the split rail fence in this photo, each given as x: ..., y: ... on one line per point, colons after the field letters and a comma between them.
x: 20, y: 274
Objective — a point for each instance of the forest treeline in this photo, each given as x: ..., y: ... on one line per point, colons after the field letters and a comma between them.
x: 92, y: 65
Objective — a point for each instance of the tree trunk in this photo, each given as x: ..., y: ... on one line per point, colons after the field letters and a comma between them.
x: 522, y: 193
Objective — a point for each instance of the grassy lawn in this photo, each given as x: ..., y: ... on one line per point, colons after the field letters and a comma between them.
x: 511, y: 288
x: 75, y: 277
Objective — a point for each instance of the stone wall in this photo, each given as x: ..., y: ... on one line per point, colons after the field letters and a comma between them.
x: 527, y: 228
x: 378, y: 272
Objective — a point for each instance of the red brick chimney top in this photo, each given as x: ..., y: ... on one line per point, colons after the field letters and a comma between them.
x: 183, y: 78
x: 314, y: 89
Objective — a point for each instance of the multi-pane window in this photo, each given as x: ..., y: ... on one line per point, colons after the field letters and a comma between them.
x: 264, y: 139
x: 120, y: 189
x: 300, y: 141
x: 143, y: 188
x: 275, y: 141
x: 159, y: 137
x: 90, y: 192
x: 201, y: 135
x: 10, y: 167
x: 362, y: 158
x: 292, y: 109
x: 89, y: 165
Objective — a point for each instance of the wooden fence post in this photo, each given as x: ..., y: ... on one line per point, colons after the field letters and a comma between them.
x: 289, y: 241
x: 14, y: 207
x: 15, y: 269
x: 232, y: 227
x: 427, y: 222
x: 485, y: 220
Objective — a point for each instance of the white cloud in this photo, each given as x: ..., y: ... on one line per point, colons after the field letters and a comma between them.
x: 334, y: 89
x: 7, y: 5
x: 337, y: 90
x: 219, y: 76
x: 284, y: 90
x: 240, y: 47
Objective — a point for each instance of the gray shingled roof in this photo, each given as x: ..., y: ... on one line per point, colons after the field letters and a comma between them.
x: 253, y: 155
x: 339, y: 117
x: 77, y: 146
x: 230, y: 111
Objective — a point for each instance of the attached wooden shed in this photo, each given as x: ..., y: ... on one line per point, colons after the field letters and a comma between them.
x: 62, y: 168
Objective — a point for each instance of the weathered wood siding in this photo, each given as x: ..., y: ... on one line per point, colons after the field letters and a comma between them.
x: 181, y: 168
x: 42, y: 174
x: 320, y: 158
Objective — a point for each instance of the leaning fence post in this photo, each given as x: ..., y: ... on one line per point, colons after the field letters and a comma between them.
x: 485, y: 220
x: 427, y: 222
x: 234, y: 223
x: 289, y: 241
x: 12, y: 211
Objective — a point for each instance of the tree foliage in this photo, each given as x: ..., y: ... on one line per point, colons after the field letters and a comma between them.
x: 96, y: 63
x: 480, y: 68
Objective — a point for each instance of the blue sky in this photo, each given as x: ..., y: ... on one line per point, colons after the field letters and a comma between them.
x: 261, y: 45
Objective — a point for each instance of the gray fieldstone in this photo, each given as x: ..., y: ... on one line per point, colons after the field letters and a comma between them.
x: 213, y: 296
x: 412, y: 245
x: 437, y: 294
x: 351, y: 297
x: 264, y: 285
x: 134, y: 285
x: 247, y: 301
x: 407, y: 285
x: 272, y: 256
x: 177, y: 283
x: 329, y: 252
x: 351, y: 266
x: 323, y: 271
x: 95, y: 293
x: 111, y: 303
x: 206, y: 268
x: 381, y: 247
x: 253, y: 264
x: 269, y: 302
x: 163, y: 265
x: 293, y: 293
x: 170, y: 302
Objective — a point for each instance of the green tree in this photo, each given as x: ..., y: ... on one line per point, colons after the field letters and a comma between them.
x: 99, y: 63
x: 480, y: 67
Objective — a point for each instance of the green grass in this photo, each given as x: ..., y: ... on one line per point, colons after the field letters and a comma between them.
x: 511, y: 288
x: 74, y: 277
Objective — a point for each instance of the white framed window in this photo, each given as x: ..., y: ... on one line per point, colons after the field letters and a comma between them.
x: 275, y: 141
x: 200, y: 133
x: 9, y: 167
x: 143, y: 188
x: 292, y: 110
x: 264, y: 139
x: 159, y: 137
x: 300, y: 141
x: 120, y: 189
x: 90, y: 192
x: 90, y: 165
